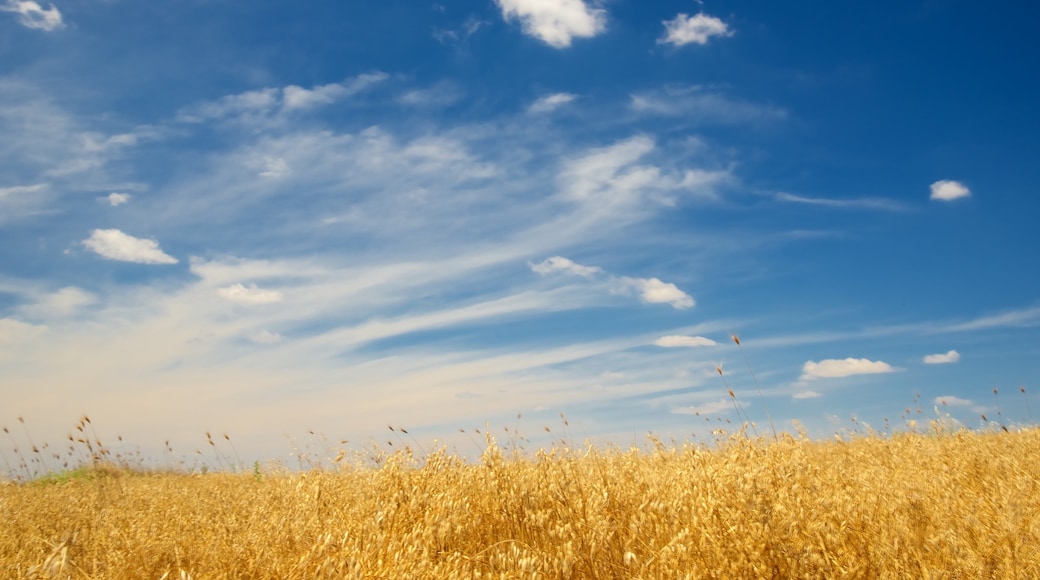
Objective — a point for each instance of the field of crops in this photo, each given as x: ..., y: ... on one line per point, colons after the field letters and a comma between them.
x: 940, y: 504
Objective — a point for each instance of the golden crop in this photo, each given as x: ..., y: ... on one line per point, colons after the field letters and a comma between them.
x: 939, y: 505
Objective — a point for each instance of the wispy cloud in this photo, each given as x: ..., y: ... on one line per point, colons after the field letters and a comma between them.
x: 555, y: 22
x: 442, y: 94
x: 946, y: 190
x: 561, y: 264
x: 60, y: 303
x: 941, y: 359
x: 952, y: 401
x: 873, y: 203
x: 32, y: 15
x: 250, y: 294
x: 1021, y: 318
x: 649, y: 290
x: 116, y: 245
x: 720, y: 406
x: 550, y: 103
x: 263, y: 105
x: 17, y: 332
x: 702, y: 105
x: 838, y: 368
x: 612, y: 179
x: 674, y: 341
x: 696, y: 29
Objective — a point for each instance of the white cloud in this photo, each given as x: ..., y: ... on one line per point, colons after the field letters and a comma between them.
x: 705, y: 409
x: 115, y: 199
x: 611, y: 181
x: 273, y: 168
x: 806, y: 395
x: 115, y: 245
x: 945, y: 190
x: 15, y: 331
x: 650, y: 290
x: 62, y: 302
x: 836, y: 368
x: 861, y: 203
x: 551, y: 102
x: 680, y: 341
x: 250, y: 294
x: 440, y: 95
x: 697, y: 29
x: 252, y: 106
x: 265, y: 337
x: 11, y: 192
x: 952, y: 401
x: 1025, y: 317
x: 702, y: 105
x: 561, y: 264
x: 654, y: 291
x: 555, y: 22
x: 32, y: 15
x: 940, y: 359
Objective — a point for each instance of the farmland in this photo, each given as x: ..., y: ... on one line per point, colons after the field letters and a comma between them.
x: 938, y: 503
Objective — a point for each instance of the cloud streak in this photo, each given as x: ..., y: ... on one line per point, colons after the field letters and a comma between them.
x: 678, y: 341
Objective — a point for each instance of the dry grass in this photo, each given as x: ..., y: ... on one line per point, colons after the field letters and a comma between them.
x: 940, y: 505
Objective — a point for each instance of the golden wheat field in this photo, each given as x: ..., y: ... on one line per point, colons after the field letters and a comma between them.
x: 942, y: 504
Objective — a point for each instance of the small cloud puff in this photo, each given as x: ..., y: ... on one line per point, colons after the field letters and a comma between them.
x: 674, y: 341
x: 32, y: 15
x: 555, y: 22
x: 837, y: 368
x: 806, y: 395
x: 942, y: 359
x: 946, y: 190
x: 115, y: 245
x: 697, y: 29
x: 550, y: 103
x: 654, y: 291
x: 115, y: 199
x: 250, y: 294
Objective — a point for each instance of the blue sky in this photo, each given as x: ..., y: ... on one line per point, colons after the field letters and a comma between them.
x: 266, y: 218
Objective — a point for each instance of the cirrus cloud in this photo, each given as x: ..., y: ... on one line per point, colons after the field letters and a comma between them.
x: 116, y: 245
x: 249, y: 294
x: 674, y: 341
x: 561, y: 264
